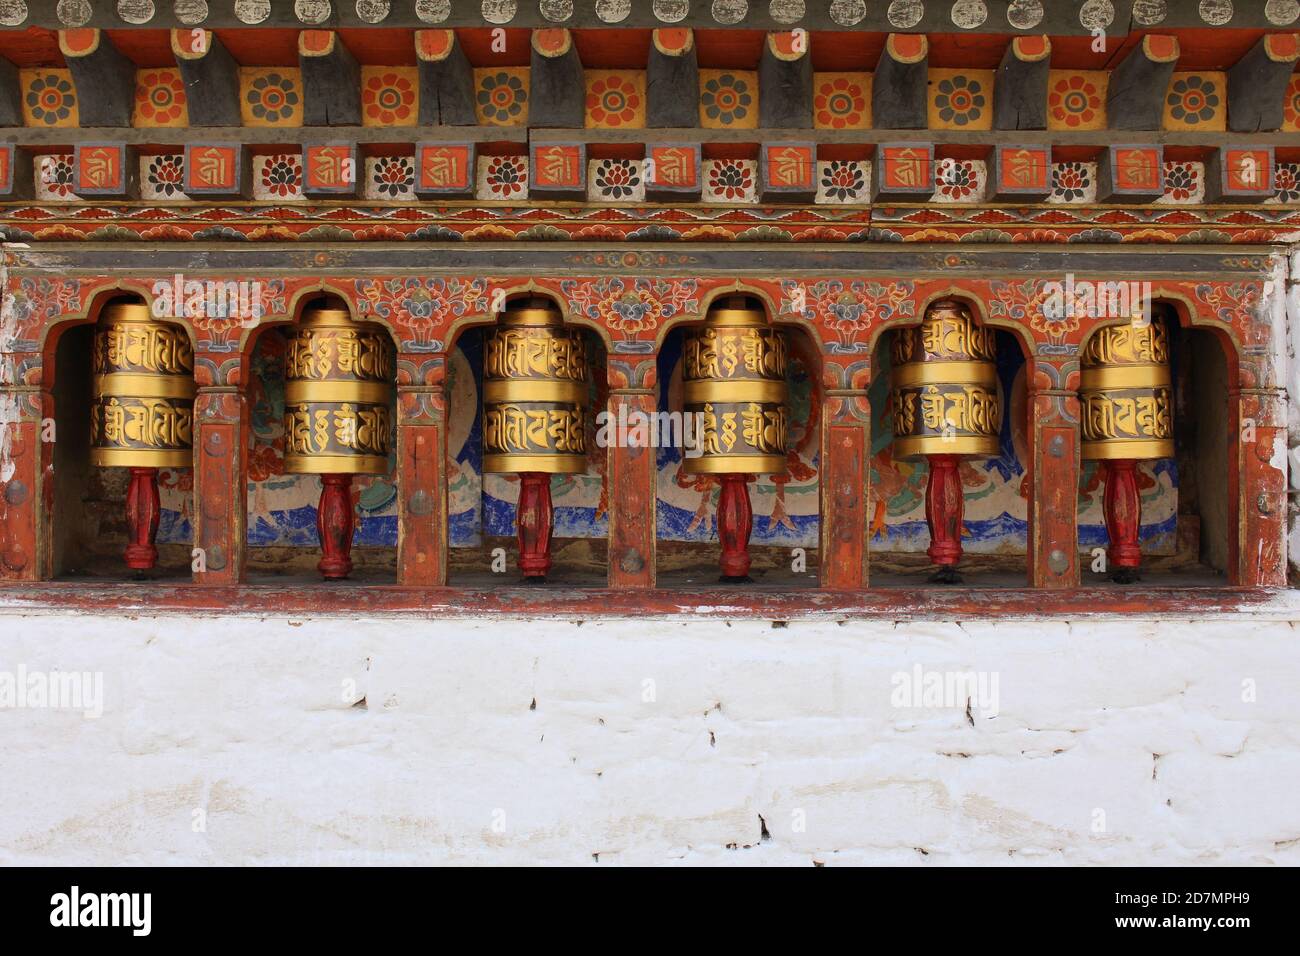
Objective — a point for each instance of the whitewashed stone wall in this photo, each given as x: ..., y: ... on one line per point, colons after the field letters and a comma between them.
x: 243, y: 740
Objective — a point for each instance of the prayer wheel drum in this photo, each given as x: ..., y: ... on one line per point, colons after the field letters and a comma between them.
x: 535, y: 382
x: 1125, y: 393
x: 945, y: 395
x: 142, y: 415
x: 338, y: 393
x: 733, y: 380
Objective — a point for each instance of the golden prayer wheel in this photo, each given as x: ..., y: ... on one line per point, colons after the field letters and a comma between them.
x: 733, y: 378
x: 535, y: 382
x: 1127, y: 405
x: 143, y: 410
x: 945, y: 394
x: 337, y: 396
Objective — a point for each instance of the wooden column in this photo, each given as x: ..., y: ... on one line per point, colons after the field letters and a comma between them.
x: 220, y: 468
x: 631, y: 476
x: 1053, y: 427
x: 26, y: 483
x: 1257, y: 486
x: 845, y: 485
x: 421, y: 469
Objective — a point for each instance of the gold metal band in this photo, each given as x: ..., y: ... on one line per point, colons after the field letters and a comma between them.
x: 330, y: 318
x: 335, y: 465
x: 752, y: 390
x: 547, y: 464
x: 366, y: 393
x: 134, y: 312
x: 1124, y: 376
x: 503, y: 391
x: 142, y: 457
x: 531, y: 317
x: 946, y: 373
x: 968, y: 446
x: 143, y: 385
x: 1141, y: 449
x: 735, y: 465
x: 744, y: 318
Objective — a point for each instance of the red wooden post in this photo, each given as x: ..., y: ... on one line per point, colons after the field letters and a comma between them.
x: 1123, y: 507
x: 26, y: 487
x: 735, y: 522
x: 335, y: 522
x: 534, y: 523
x: 1257, y: 486
x: 630, y: 477
x: 421, y: 470
x: 143, y: 510
x: 1053, y: 429
x: 944, y: 506
x: 845, y: 489
x: 220, y: 470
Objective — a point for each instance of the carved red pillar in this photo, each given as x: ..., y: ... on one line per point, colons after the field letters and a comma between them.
x: 534, y: 524
x: 143, y: 511
x: 1053, y: 479
x: 944, y: 507
x: 335, y: 523
x: 1123, y: 509
x: 421, y: 470
x: 1257, y: 485
x: 630, y: 478
x: 845, y: 486
x: 220, y: 470
x: 26, y: 482
x: 735, y: 523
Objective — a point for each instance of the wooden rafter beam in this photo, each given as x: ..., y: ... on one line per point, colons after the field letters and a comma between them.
x: 211, y: 78
x: 104, y: 78
x: 331, y: 80
x: 1135, y: 98
x: 446, y: 80
x: 558, y: 92
x: 898, y: 90
x: 785, y: 80
x: 672, y: 82
x: 1257, y: 84
x: 1020, y: 92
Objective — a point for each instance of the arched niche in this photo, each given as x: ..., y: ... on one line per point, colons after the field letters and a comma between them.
x: 1189, y: 501
x: 784, y: 543
x: 996, y: 507
x: 88, y: 505
x: 282, y: 539
x: 482, y: 508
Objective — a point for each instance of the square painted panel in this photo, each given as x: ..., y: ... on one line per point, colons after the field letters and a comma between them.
x: 390, y: 95
x: 842, y: 100
x: 1184, y: 184
x: 1076, y: 99
x: 559, y: 170
x: 904, y: 171
x: 960, y: 180
x: 270, y: 96
x: 49, y: 98
x: 1240, y: 174
x: 53, y: 177
x: 389, y: 177
x: 615, y: 99
x: 162, y: 177
x: 960, y: 99
x: 1197, y: 102
x: 102, y: 169
x: 730, y: 181
x: 502, y: 178
x: 1074, y: 183
x: 1131, y: 173
x: 1022, y: 173
x: 330, y: 169
x: 674, y: 171
x: 501, y: 96
x: 444, y: 170
x: 278, y: 177
x: 842, y: 182
x: 616, y: 180
x: 728, y: 99
x: 788, y: 171
x: 215, y: 169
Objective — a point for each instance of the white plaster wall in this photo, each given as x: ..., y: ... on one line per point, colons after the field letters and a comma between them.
x: 1116, y: 741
